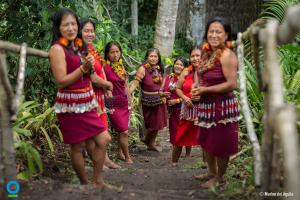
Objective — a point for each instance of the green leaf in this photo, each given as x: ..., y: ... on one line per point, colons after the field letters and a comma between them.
x: 49, y: 142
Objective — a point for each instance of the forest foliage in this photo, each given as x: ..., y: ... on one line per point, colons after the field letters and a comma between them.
x: 30, y: 21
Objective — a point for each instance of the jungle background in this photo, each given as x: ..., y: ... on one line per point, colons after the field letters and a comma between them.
x: 38, y: 141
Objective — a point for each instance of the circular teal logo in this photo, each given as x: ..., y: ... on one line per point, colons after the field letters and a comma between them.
x: 13, y: 187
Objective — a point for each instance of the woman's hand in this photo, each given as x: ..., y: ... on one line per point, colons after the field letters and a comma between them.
x: 195, y: 98
x: 196, y: 91
x: 88, y: 62
x: 109, y: 86
x: 108, y: 94
x: 172, y: 102
x: 187, y: 101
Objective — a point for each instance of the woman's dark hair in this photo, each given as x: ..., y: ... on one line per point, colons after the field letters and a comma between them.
x: 183, y: 60
x: 159, y: 63
x: 197, y: 46
x: 224, y: 23
x: 108, y: 46
x: 84, y: 21
x: 57, y: 18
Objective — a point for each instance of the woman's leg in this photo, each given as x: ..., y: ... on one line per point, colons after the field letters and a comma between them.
x: 123, y: 145
x: 176, y: 154
x: 188, y: 150
x: 77, y: 160
x: 109, y: 163
x: 150, y: 139
x: 212, y: 168
x: 222, y: 163
x: 98, y: 155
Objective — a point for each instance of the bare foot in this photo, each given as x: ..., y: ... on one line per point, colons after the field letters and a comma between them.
x: 121, y: 156
x: 205, y: 176
x: 213, y: 182
x: 129, y: 160
x: 209, y: 184
x: 110, y: 164
x: 104, y: 167
x: 152, y: 148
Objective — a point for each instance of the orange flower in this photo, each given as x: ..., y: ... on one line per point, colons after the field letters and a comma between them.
x: 78, y: 42
x: 205, y: 46
x: 229, y: 44
x: 63, y: 41
x: 190, y: 68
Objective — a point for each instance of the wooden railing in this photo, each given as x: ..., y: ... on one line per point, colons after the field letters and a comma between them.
x: 280, y: 148
x: 8, y: 106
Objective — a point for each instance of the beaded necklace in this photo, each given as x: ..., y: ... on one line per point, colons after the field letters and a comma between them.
x: 156, y: 76
x: 118, y: 68
x: 210, y: 58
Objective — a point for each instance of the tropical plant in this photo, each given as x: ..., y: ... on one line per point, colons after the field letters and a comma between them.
x: 32, y: 130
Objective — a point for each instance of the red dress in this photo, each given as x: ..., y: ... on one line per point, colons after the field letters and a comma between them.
x: 155, y: 116
x: 99, y: 92
x: 174, y: 110
x: 119, y: 119
x: 76, y: 105
x: 187, y: 131
x: 218, y: 117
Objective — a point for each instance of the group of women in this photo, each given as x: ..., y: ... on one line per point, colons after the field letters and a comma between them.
x: 197, y: 98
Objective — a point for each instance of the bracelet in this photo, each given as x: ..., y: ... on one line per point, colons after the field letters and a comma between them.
x: 178, y: 100
x: 82, y: 70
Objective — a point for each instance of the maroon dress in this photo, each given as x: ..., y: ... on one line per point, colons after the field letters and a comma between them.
x: 155, y: 116
x: 187, y: 131
x: 218, y: 117
x: 174, y: 110
x: 76, y: 105
x: 119, y: 118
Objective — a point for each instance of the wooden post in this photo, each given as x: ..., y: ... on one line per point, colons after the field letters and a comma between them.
x: 7, y: 151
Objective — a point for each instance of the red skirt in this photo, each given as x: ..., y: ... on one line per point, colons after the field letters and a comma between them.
x: 119, y: 119
x: 220, y: 140
x: 186, y: 134
x: 155, y: 117
x: 77, y: 127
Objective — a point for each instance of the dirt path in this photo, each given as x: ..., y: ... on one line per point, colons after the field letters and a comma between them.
x: 150, y: 177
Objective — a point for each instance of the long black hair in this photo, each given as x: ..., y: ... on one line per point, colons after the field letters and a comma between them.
x: 57, y: 18
x: 159, y: 63
x: 108, y: 46
x: 84, y: 21
x: 224, y: 23
x: 183, y: 60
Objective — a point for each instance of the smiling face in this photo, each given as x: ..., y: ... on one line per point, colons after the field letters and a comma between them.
x: 153, y: 58
x: 114, y: 54
x: 88, y: 33
x: 68, y: 27
x: 178, y: 67
x: 195, y: 58
x: 216, y: 35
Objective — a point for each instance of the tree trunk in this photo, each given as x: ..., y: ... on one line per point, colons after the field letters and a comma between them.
x: 134, y: 17
x: 7, y: 151
x: 165, y: 26
x: 239, y: 13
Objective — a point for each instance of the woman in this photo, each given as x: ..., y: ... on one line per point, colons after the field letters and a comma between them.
x: 100, y: 84
x: 174, y: 102
x: 75, y: 104
x: 149, y: 76
x: 187, y: 131
x: 118, y: 103
x: 219, y: 114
